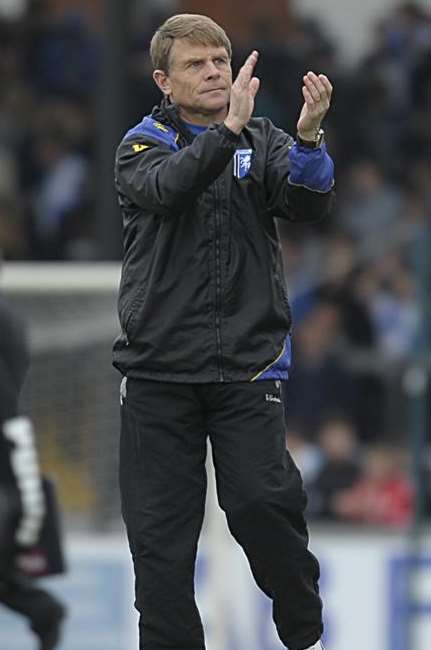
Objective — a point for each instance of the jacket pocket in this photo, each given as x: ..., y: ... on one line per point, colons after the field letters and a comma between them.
x: 276, y: 267
x: 129, y: 315
x: 281, y: 289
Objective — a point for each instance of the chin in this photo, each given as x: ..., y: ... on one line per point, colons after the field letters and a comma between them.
x: 215, y: 106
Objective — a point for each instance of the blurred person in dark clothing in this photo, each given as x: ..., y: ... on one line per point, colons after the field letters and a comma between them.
x: 339, y: 469
x: 13, y: 235
x: 22, y: 506
x: 341, y: 266
x: 320, y: 383
x: 61, y: 52
x: 358, y: 333
x: 205, y: 340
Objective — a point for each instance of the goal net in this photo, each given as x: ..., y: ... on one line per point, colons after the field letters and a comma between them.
x: 71, y: 392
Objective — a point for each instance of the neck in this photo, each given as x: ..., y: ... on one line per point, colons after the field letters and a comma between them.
x: 202, y: 119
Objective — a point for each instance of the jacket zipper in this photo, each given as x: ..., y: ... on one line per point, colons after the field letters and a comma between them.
x: 218, y: 285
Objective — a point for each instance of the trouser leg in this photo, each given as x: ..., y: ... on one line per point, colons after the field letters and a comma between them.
x: 260, y: 489
x: 163, y: 485
x: 43, y: 610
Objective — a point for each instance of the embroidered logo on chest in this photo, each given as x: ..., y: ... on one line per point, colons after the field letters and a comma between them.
x: 242, y: 162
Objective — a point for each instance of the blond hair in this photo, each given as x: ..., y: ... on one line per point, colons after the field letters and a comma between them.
x: 199, y: 30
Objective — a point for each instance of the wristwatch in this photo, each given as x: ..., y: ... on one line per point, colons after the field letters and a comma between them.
x: 312, y: 144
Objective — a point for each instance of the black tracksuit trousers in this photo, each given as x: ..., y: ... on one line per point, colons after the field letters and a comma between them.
x: 163, y: 484
x: 43, y: 611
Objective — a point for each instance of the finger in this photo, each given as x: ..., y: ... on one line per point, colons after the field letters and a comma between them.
x: 253, y: 55
x: 254, y: 87
x: 315, y: 107
x: 247, y: 69
x: 308, y: 97
x: 325, y: 81
x: 312, y: 89
x: 317, y: 82
x: 252, y: 58
x: 250, y: 62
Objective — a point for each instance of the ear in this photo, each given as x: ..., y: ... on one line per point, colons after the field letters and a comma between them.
x: 161, y: 78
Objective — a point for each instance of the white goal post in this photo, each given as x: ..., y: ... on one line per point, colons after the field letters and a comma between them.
x: 44, y: 277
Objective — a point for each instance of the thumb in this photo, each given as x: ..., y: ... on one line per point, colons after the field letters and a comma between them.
x: 254, y: 87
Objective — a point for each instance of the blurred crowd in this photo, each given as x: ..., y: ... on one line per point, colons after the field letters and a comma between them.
x: 353, y: 281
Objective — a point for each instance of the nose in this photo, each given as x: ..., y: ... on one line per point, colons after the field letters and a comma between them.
x: 211, y: 70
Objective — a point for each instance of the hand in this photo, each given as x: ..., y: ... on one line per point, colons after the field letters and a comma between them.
x: 243, y: 92
x: 317, y: 91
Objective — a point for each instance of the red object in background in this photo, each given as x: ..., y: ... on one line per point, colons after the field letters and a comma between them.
x: 91, y: 9
x: 389, y: 501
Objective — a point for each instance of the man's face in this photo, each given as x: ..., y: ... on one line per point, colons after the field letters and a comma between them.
x: 198, y: 81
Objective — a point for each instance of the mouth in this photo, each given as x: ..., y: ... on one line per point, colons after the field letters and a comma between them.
x: 213, y: 90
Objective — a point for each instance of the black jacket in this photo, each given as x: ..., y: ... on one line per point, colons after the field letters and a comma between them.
x: 202, y: 295
x: 21, y: 498
x: 14, y: 359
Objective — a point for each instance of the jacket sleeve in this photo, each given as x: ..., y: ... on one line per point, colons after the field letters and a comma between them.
x: 16, y: 432
x: 14, y: 360
x: 288, y: 197
x: 23, y: 459
x: 165, y: 179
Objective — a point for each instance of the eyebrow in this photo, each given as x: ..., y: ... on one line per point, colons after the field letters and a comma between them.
x: 197, y: 59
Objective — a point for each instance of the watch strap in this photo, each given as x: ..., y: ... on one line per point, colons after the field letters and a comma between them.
x: 311, y: 144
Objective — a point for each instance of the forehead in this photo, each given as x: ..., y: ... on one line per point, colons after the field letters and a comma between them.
x: 183, y: 50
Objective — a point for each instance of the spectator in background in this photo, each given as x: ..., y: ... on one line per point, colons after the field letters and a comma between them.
x: 340, y: 467
x: 62, y: 53
x: 13, y: 233
x: 384, y: 495
x: 342, y: 264
x: 304, y: 256
x: 14, y: 106
x: 402, y: 38
x: 306, y: 454
x: 344, y: 267
x: 418, y: 132
x: 368, y: 206
x: 393, y: 307
x: 49, y: 71
x: 59, y: 194
x: 319, y: 382
x: 56, y: 178
x: 142, y: 91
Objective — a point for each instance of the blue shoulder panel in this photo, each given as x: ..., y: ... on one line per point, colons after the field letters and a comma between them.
x: 156, y: 130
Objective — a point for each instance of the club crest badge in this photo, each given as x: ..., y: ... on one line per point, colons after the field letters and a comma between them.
x: 242, y: 162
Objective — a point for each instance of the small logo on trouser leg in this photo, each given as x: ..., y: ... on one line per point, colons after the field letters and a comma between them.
x: 269, y: 397
x: 274, y: 397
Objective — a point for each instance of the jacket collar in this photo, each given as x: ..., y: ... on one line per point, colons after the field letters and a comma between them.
x: 168, y: 113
